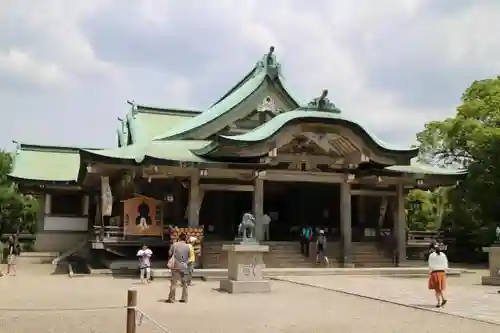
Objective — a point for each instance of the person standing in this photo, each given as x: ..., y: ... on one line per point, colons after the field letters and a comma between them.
x: 306, y: 234
x: 321, y: 248
x: 266, y: 221
x: 144, y: 256
x: 13, y: 250
x: 192, y: 258
x: 178, y: 264
x: 438, y: 264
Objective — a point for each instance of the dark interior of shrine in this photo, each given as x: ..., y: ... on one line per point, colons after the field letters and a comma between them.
x: 290, y: 206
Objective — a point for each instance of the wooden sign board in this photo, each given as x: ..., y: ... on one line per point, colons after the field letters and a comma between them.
x: 143, y: 216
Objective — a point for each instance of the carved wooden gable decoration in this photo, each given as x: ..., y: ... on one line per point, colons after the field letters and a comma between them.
x: 308, y: 146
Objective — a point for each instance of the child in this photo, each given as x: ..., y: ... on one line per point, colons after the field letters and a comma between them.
x: 321, y: 247
x: 144, y: 256
x: 192, y: 258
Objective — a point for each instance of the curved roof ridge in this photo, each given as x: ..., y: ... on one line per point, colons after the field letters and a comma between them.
x: 272, y: 126
x: 267, y: 67
x: 235, y: 98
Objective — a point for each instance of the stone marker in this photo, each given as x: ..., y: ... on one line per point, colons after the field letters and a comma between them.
x: 245, y: 269
x: 494, y: 264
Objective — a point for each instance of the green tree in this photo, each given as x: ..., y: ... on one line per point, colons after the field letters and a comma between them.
x: 18, y: 212
x: 470, y: 139
x: 426, y: 210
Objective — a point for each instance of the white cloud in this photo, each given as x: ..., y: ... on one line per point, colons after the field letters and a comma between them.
x: 19, y: 65
x: 393, y: 65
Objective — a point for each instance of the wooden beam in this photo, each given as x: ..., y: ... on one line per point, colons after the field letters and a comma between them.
x: 345, y: 221
x: 373, y: 193
x: 227, y: 187
x: 301, y: 176
x: 400, y: 224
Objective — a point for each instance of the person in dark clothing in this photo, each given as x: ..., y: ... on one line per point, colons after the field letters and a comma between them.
x: 13, y: 250
x: 306, y: 235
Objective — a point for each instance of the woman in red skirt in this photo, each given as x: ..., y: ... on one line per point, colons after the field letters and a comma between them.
x: 438, y: 264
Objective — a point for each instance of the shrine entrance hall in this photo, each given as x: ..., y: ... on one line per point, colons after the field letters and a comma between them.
x: 292, y: 205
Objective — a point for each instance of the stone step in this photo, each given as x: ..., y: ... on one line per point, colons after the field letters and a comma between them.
x: 277, y: 272
x: 37, y: 257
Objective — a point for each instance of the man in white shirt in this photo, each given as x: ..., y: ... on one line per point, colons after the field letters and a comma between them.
x: 144, y: 256
x: 266, y: 220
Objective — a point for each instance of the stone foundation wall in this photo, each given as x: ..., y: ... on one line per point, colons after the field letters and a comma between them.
x: 58, y: 241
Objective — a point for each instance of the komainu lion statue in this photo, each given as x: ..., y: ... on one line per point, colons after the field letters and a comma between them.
x: 246, y: 229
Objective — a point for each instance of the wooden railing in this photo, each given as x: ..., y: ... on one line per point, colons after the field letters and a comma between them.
x: 107, y: 233
x: 423, y: 238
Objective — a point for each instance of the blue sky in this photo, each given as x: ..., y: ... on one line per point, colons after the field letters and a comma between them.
x: 68, y: 67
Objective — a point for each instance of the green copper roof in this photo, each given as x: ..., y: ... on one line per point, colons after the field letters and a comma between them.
x: 217, y: 110
x: 425, y: 169
x: 46, y: 163
x: 173, y: 150
x: 270, y: 128
x: 267, y: 70
x: 146, y: 122
x: 150, y: 125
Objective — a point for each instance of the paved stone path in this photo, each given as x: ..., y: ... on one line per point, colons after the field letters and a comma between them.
x: 288, y: 308
x: 466, y: 297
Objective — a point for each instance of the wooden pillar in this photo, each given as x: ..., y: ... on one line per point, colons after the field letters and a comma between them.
x: 194, y: 199
x: 345, y: 221
x: 258, y: 208
x: 400, y: 224
x: 131, y: 311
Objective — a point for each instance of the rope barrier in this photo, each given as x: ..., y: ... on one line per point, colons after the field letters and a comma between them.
x: 157, y: 324
x: 116, y: 307
x: 140, y: 314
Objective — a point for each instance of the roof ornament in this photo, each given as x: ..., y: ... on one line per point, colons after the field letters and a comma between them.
x: 322, y: 103
x: 270, y: 58
x: 134, y: 106
x: 125, y: 132
x: 267, y: 105
x: 269, y: 64
x: 18, y: 146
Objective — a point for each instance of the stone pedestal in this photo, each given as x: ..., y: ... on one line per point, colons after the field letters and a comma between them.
x: 494, y: 264
x: 245, y: 269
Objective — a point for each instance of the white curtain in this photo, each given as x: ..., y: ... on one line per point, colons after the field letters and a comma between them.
x: 106, y: 197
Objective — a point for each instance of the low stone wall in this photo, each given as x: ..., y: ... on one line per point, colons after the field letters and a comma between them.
x: 58, y: 241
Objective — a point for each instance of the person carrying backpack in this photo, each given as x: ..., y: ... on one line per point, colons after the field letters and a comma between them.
x: 306, y: 235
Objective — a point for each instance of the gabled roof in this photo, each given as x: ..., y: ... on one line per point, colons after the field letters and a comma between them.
x: 268, y: 129
x: 42, y: 163
x: 145, y: 122
x: 267, y: 70
x: 257, y: 142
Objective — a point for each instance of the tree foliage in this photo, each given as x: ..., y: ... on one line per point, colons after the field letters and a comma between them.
x: 18, y: 212
x: 470, y: 139
x: 426, y: 210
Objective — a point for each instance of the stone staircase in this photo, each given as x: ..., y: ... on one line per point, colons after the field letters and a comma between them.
x: 287, y: 255
x: 370, y: 254
x: 281, y: 255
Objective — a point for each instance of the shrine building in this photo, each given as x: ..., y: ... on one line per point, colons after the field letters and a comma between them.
x: 257, y: 148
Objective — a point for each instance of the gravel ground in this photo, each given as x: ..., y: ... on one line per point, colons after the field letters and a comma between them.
x: 288, y: 308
